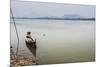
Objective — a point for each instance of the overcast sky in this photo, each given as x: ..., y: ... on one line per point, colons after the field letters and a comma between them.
x: 35, y: 9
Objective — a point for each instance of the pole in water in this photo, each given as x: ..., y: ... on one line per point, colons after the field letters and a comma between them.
x: 16, y: 31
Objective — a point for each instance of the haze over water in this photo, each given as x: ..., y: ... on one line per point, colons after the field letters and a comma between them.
x: 58, y: 41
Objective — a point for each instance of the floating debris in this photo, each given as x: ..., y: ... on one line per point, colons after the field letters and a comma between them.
x: 44, y: 34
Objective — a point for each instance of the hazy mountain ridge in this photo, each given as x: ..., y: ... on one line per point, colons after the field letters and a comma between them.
x: 65, y: 17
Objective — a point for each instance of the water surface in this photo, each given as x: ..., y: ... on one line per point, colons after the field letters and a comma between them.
x: 58, y: 41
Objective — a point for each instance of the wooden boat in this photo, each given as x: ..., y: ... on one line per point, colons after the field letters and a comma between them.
x: 31, y: 45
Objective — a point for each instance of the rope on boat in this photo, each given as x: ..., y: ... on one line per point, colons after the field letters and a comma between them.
x: 16, y: 32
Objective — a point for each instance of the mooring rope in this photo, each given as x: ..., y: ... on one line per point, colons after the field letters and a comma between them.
x: 16, y: 32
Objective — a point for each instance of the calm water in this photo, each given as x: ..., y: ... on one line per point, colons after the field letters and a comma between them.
x: 64, y: 40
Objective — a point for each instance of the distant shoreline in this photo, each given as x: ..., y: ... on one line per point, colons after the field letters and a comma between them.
x: 42, y: 18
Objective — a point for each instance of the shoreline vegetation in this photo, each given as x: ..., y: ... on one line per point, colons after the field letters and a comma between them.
x: 49, y: 18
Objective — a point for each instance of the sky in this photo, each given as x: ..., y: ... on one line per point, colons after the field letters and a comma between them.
x: 41, y: 9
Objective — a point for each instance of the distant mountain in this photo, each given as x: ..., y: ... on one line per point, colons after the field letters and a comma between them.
x: 72, y: 16
x: 65, y: 17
